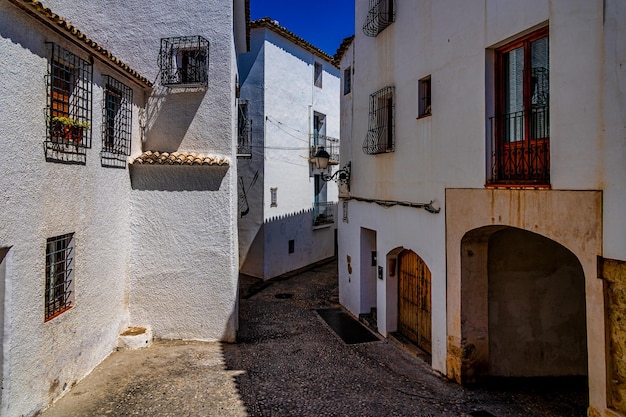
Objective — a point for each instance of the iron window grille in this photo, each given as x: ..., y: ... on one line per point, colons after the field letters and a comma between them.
x: 318, y: 70
x: 184, y: 61
x: 323, y: 213
x: 425, y: 105
x: 380, y: 134
x: 69, y: 112
x: 117, y: 116
x: 59, y: 296
x: 326, y: 143
x: 244, y: 131
x: 382, y: 13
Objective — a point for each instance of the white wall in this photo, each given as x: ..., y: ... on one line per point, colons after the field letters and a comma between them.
x: 278, y: 83
x: 44, y: 199
x: 453, y: 41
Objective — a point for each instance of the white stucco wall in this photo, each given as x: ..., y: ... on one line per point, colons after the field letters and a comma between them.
x: 279, y: 86
x: 202, y: 266
x: 453, y: 41
x: 43, y: 199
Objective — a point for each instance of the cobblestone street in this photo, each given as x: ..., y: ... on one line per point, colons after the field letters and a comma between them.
x: 289, y: 362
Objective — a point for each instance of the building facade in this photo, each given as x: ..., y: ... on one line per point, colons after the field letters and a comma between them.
x: 289, y: 109
x: 483, y: 220
x: 119, y: 204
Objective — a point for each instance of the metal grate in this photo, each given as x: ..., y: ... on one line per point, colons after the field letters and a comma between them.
x: 244, y: 131
x: 380, y: 134
x: 326, y: 143
x: 382, y: 13
x: 69, y: 114
x: 117, y: 123
x: 59, y: 275
x: 323, y: 213
x: 184, y: 61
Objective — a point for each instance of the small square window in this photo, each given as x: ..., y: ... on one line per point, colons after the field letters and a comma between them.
x: 347, y: 81
x: 273, y: 199
x: 424, y: 93
x: 317, y: 74
x: 184, y: 61
x: 292, y: 246
x: 117, y: 120
x: 59, y: 296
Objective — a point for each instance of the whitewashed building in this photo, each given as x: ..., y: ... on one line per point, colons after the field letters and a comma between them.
x: 289, y: 109
x: 484, y: 219
x: 119, y: 185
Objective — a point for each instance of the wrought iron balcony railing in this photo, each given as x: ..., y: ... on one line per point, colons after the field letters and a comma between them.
x: 329, y: 144
x: 520, y: 147
x: 323, y: 213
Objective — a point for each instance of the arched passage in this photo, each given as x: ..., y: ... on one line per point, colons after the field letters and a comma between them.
x: 522, y: 306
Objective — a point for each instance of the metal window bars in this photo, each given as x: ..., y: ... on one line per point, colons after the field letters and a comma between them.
x: 380, y: 133
x: 323, y: 213
x: 117, y: 123
x: 382, y: 13
x: 184, y: 61
x: 69, y: 111
x: 327, y: 143
x: 244, y: 131
x: 59, y: 275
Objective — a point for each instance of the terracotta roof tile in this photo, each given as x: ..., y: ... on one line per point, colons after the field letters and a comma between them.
x: 43, y: 13
x: 180, y: 158
x: 268, y: 23
x: 345, y: 44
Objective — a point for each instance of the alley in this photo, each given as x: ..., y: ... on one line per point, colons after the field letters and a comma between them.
x: 288, y: 362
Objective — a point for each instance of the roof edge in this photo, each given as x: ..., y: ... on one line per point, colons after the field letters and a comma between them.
x: 58, y: 24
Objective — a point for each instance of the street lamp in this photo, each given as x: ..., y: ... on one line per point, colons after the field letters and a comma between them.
x: 321, y: 158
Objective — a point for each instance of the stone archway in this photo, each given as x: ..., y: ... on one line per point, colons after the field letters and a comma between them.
x: 522, y: 306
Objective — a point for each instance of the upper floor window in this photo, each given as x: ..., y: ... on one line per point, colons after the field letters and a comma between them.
x: 520, y: 129
x: 425, y: 106
x: 117, y: 122
x: 244, y: 131
x: 347, y: 81
x: 184, y: 61
x: 318, y: 70
x: 382, y: 13
x: 273, y: 197
x: 69, y: 106
x: 380, y: 133
x: 59, y: 296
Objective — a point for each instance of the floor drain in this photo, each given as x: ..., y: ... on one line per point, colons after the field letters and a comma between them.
x: 283, y: 295
x: 481, y: 413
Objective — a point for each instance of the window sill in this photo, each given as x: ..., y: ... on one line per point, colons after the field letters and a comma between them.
x: 57, y: 313
x: 520, y: 186
x: 322, y: 226
x: 424, y: 116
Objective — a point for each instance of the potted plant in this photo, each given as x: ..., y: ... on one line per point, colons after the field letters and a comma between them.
x: 67, y: 130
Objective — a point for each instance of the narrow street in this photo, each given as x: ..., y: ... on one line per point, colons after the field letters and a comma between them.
x: 289, y: 362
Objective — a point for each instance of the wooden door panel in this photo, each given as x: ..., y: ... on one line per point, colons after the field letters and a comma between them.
x: 414, y: 300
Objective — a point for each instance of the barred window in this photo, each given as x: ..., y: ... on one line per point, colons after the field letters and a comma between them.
x: 347, y: 81
x: 117, y: 123
x: 69, y: 86
x: 382, y: 13
x: 59, y: 295
x: 184, y: 61
x: 380, y: 134
x: 244, y: 131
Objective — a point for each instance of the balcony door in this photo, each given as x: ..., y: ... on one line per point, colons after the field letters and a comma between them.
x: 521, y: 126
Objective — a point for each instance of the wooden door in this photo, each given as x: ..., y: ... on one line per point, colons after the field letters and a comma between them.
x: 414, y: 300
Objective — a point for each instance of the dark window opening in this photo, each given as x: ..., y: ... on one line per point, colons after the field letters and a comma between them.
x: 425, y: 97
x: 380, y: 134
x: 59, y: 275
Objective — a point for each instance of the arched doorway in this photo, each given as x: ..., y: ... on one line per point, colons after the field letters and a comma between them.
x: 414, y: 299
x: 523, y: 306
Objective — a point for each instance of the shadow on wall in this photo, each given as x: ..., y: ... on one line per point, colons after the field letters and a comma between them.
x: 177, y: 178
x: 169, y: 113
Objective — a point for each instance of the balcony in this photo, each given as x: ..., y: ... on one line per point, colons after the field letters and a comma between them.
x: 520, y: 148
x: 323, y: 213
x: 329, y: 144
x: 381, y: 14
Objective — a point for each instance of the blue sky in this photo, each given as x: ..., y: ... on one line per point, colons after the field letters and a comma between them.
x: 324, y: 23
